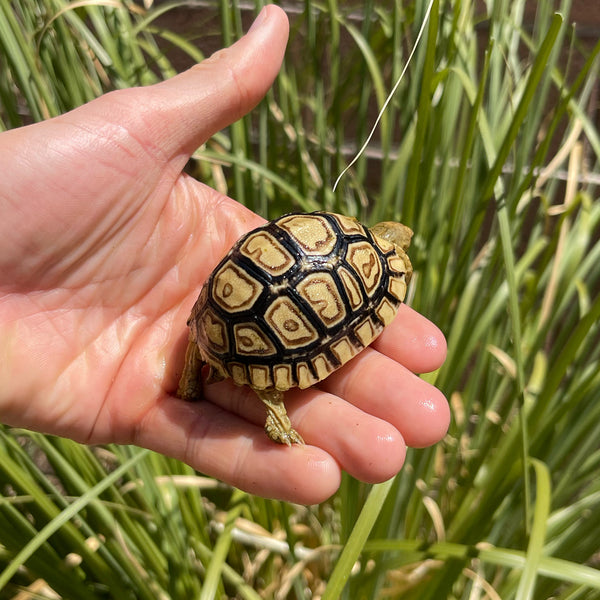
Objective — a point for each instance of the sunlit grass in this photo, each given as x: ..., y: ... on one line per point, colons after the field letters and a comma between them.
x: 488, y: 153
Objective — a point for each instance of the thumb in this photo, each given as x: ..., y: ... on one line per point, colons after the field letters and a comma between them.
x: 180, y: 114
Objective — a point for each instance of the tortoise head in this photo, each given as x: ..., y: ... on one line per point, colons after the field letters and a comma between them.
x: 399, y: 235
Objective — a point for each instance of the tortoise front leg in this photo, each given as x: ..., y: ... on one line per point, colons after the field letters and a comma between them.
x: 278, y: 426
x: 190, y: 383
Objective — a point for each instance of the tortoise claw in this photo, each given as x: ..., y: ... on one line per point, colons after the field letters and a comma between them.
x: 278, y: 426
x: 288, y: 437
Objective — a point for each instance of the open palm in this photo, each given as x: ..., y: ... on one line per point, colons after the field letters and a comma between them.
x: 104, y: 246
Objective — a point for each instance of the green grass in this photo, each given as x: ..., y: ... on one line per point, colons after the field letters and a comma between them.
x: 488, y: 153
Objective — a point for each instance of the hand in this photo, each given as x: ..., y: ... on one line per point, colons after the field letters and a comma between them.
x: 104, y: 246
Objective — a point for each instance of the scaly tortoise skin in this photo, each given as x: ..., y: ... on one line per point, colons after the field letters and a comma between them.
x: 293, y: 301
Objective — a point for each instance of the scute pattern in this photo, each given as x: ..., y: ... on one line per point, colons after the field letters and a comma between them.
x: 265, y: 251
x: 320, y: 291
x: 235, y: 290
x: 367, y: 264
x: 296, y: 299
x: 312, y: 234
x: 288, y: 323
x: 250, y: 340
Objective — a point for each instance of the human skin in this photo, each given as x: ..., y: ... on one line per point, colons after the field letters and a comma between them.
x: 104, y: 246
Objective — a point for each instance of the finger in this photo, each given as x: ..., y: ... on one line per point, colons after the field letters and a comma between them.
x: 232, y: 81
x: 176, y: 116
x: 385, y: 389
x: 368, y: 448
x: 227, y: 447
x: 413, y: 341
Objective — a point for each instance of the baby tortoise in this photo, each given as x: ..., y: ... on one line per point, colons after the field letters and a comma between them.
x: 293, y: 301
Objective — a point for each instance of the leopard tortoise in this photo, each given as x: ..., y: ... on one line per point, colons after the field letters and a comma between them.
x: 291, y: 302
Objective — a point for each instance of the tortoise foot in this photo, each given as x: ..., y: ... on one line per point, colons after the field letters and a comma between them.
x: 278, y: 426
x: 282, y: 436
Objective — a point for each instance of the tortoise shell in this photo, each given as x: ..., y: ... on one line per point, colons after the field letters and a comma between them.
x: 296, y: 299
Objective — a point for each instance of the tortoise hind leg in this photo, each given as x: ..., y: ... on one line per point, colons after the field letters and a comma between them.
x: 190, y: 383
x: 278, y: 426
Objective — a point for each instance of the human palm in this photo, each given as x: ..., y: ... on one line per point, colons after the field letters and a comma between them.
x: 104, y: 246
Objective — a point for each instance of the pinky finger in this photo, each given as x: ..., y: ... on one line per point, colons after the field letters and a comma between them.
x: 223, y: 445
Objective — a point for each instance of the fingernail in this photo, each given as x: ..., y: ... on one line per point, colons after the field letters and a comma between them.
x: 260, y: 19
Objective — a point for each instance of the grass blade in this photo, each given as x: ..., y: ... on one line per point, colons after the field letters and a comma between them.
x: 538, y: 532
x: 66, y: 515
x: 356, y: 542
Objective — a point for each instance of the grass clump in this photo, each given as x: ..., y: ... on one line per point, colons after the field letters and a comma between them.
x: 489, y: 151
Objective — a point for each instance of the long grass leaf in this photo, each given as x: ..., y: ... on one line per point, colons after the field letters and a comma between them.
x: 423, y: 113
x: 538, y: 532
x: 535, y: 76
x: 219, y: 555
x: 66, y: 515
x: 356, y: 542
